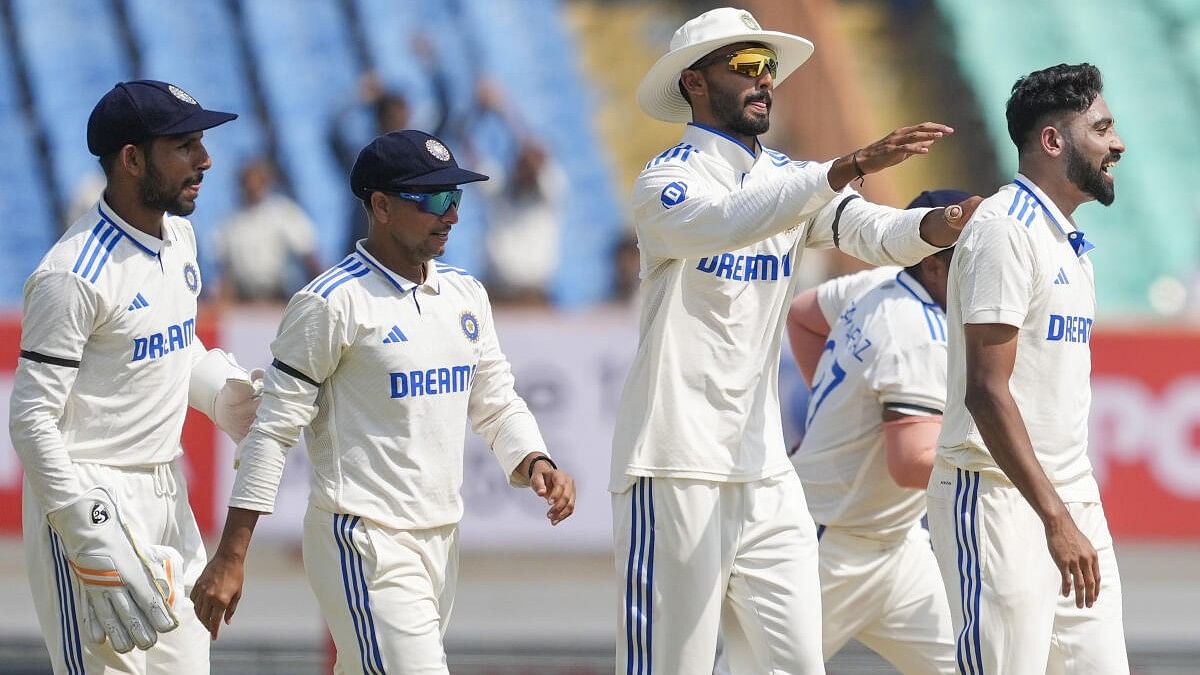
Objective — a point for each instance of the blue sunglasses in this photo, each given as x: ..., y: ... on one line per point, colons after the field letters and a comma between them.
x: 437, y: 203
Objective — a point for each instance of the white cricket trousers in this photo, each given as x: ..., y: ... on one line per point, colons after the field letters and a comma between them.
x: 386, y: 594
x: 887, y: 595
x: 1003, y: 586
x: 153, y: 502
x: 696, y: 558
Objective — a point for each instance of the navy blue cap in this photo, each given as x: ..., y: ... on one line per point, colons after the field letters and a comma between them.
x: 407, y: 160
x: 935, y: 198
x: 136, y: 111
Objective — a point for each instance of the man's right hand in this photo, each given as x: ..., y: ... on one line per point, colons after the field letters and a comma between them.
x: 1076, y: 560
x: 887, y: 151
x: 216, y: 593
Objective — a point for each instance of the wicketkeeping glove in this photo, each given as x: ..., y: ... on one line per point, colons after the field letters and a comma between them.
x: 129, y: 591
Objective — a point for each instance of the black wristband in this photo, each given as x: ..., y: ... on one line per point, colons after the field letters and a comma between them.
x: 543, y: 458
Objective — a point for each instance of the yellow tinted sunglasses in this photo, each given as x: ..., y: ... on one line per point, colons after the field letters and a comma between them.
x: 753, y: 61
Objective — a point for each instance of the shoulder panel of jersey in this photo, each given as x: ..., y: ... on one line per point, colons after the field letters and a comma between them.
x: 680, y: 153
x: 457, y: 276
x: 1009, y: 203
x: 351, y: 268
x: 87, y: 247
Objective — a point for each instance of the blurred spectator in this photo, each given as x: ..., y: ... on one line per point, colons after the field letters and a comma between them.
x: 523, y: 222
x: 87, y: 192
x: 389, y: 110
x: 524, y: 209
x: 258, y: 246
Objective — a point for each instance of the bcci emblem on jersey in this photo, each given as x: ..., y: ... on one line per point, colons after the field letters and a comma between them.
x: 470, y: 326
x: 191, y: 277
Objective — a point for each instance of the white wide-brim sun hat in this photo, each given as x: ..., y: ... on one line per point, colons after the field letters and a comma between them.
x: 658, y: 94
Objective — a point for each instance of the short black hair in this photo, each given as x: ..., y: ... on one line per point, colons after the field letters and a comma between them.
x: 1047, y: 92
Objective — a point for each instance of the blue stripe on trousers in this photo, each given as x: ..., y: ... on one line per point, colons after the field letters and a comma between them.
x: 355, y: 589
x: 68, y: 620
x: 968, y: 650
x: 638, y: 609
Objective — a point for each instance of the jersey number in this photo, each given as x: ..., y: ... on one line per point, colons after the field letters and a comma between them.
x: 825, y: 384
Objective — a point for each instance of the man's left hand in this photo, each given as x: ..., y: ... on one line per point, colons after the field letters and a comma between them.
x: 557, y: 488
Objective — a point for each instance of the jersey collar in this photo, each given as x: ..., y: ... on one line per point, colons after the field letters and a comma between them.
x: 148, y: 244
x: 432, y: 284
x: 717, y: 142
x: 915, y: 289
x: 1065, y: 226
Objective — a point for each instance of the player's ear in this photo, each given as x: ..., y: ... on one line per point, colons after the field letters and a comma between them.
x: 132, y: 159
x: 380, y: 207
x: 694, y: 83
x: 1052, y: 140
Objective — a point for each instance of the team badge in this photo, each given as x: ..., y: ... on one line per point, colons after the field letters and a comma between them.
x: 181, y: 94
x: 437, y: 150
x: 673, y: 194
x: 470, y: 326
x: 191, y: 277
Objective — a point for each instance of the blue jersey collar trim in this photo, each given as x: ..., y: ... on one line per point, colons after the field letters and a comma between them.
x: 1074, y: 235
x: 724, y: 135
x: 145, y: 243
x: 400, y: 283
x: 915, y: 289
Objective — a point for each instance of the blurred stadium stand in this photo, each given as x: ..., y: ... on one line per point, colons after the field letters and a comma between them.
x: 1149, y: 52
x: 288, y: 67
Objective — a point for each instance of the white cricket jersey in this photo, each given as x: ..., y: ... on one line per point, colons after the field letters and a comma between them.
x: 108, y: 340
x: 1017, y: 263
x: 835, y: 294
x: 887, y: 349
x: 383, y: 375
x: 720, y: 231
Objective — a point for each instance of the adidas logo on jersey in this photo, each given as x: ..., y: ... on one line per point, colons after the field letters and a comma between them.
x: 138, y: 303
x: 395, y: 336
x: 1061, y: 278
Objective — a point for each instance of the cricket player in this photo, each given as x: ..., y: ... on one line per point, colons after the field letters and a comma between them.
x: 109, y: 364
x: 711, y: 530
x: 383, y: 360
x: 1014, y: 508
x: 871, y: 431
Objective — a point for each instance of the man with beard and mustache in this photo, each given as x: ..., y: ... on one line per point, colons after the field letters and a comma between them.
x: 711, y: 530
x: 109, y: 364
x: 1014, y: 508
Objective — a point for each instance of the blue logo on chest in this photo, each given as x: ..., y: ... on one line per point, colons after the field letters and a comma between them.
x: 760, y: 267
x: 174, y: 338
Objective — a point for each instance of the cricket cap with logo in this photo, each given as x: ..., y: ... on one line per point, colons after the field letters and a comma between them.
x: 138, y: 110
x: 406, y: 161
x: 658, y: 94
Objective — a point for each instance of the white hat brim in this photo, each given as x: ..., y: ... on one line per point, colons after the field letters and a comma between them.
x: 658, y: 94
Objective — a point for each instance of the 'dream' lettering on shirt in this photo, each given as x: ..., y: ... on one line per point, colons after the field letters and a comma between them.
x: 761, y: 267
x: 1069, y: 328
x: 432, y: 381
x: 174, y: 338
